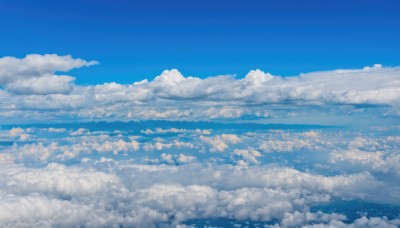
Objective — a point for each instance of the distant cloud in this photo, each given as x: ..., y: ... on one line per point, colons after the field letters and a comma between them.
x: 35, y: 74
x: 156, y: 175
x: 30, y: 83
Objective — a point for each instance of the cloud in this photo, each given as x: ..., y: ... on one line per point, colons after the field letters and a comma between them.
x: 126, y: 195
x: 162, y: 131
x: 164, y: 174
x: 159, y: 145
x: 374, y: 161
x: 42, y: 85
x: 249, y: 156
x: 174, y: 96
x: 47, y: 151
x: 35, y: 74
x: 55, y: 179
x: 220, y: 143
x: 18, y: 133
x: 107, y: 178
x: 34, y: 66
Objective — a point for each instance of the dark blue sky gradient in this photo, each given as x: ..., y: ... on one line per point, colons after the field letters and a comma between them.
x: 133, y: 40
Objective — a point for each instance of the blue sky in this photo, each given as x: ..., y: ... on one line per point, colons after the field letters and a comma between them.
x: 134, y: 40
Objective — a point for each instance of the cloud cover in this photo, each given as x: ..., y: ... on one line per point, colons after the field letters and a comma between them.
x: 163, y: 174
x: 30, y: 84
x: 144, y: 196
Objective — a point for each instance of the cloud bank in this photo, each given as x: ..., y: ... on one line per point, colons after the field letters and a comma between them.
x: 161, y: 174
x: 31, y: 84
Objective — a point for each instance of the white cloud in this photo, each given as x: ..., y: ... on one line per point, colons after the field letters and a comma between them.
x: 249, y: 156
x: 42, y: 85
x: 219, y: 143
x: 159, y: 145
x: 34, y: 65
x: 56, y: 130
x: 35, y: 74
x: 173, y: 96
x: 174, y: 159
x: 55, y: 179
x: 184, y: 181
x: 18, y: 133
x: 374, y: 161
x: 126, y: 194
x: 55, y: 151
x: 162, y: 131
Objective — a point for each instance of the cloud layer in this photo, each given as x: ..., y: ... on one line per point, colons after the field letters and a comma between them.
x: 177, y: 174
x: 160, y: 174
x: 30, y: 83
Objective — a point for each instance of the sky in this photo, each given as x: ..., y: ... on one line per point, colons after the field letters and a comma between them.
x: 134, y: 40
x: 190, y: 114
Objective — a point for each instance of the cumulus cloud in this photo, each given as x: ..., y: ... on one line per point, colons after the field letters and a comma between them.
x: 34, y: 65
x: 164, y: 175
x: 159, y: 145
x: 19, y: 133
x: 59, y: 151
x: 119, y: 177
x: 374, y: 161
x: 174, y: 96
x: 35, y: 196
x: 35, y: 74
x: 220, y: 143
x: 248, y: 156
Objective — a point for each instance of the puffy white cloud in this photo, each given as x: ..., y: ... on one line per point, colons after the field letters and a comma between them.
x: 219, y: 143
x: 18, y: 133
x: 34, y: 65
x: 59, y: 151
x: 297, y: 218
x: 79, y: 131
x: 126, y: 194
x: 54, y: 179
x: 34, y: 74
x: 174, y: 159
x: 374, y: 161
x: 284, y: 146
x: 182, y: 159
x: 159, y: 145
x: 249, y: 156
x: 174, y: 96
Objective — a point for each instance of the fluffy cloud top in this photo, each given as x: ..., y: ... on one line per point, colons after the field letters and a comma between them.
x: 35, y: 74
x: 35, y: 65
x: 96, y: 176
x: 30, y: 83
x: 46, y: 195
